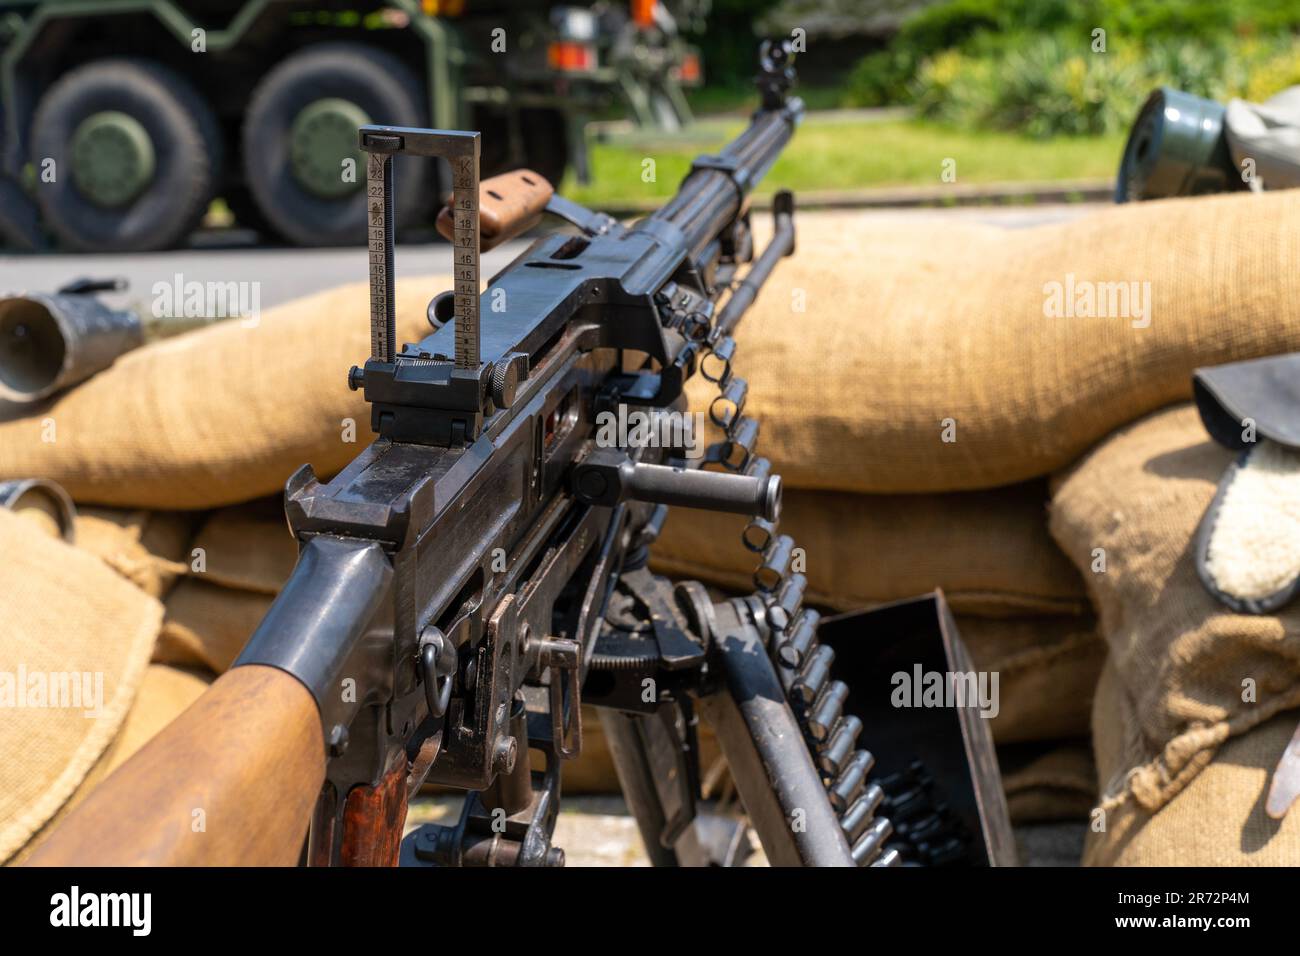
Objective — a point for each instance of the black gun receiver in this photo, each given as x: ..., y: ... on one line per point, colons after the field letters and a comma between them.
x: 480, y: 570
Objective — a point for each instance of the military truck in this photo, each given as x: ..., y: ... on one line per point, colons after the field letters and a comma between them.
x: 123, y: 119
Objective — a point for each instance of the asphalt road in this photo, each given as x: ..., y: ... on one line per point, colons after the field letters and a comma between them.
x: 288, y: 273
x: 283, y: 273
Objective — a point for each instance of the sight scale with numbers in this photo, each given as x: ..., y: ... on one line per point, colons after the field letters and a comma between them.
x: 461, y: 151
x: 466, y: 259
x: 379, y: 241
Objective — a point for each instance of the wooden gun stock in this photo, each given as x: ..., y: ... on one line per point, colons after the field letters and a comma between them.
x: 230, y: 782
x: 509, y: 204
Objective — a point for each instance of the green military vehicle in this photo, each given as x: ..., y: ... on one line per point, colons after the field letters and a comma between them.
x: 123, y: 119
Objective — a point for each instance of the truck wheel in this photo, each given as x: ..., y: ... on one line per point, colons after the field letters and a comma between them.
x: 546, y: 143
x: 136, y: 152
x: 301, y: 128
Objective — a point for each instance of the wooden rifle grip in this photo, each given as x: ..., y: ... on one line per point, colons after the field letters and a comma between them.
x: 373, y: 818
x: 509, y: 204
x: 230, y: 782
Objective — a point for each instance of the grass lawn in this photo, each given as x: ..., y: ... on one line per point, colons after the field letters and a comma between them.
x: 838, y: 153
x: 741, y: 100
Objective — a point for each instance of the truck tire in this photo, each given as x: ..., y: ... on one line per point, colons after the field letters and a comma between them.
x: 301, y: 125
x: 136, y: 154
x: 20, y: 220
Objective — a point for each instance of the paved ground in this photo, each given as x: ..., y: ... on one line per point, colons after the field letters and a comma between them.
x: 286, y: 274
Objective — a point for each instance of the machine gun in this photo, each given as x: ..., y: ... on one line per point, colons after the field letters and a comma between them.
x: 480, y: 571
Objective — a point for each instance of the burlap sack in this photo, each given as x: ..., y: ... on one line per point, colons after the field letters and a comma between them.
x: 989, y: 550
x: 67, y: 615
x: 1058, y: 783
x: 1189, y: 673
x: 241, y: 557
x: 148, y: 548
x: 163, y: 694
x: 1047, y: 664
x: 219, y: 415
x: 877, y: 341
x: 879, y: 330
x: 42, y: 513
x: 1216, y: 819
x: 248, y: 547
x: 207, y: 625
x: 1047, y: 670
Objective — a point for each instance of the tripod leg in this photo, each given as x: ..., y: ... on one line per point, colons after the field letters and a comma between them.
x: 649, y: 758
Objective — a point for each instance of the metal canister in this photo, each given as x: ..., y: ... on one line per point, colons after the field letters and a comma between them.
x: 44, y: 501
x: 1177, y: 147
x: 50, y: 342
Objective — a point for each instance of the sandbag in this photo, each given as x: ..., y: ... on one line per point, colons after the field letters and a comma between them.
x: 1047, y: 663
x: 207, y: 625
x: 988, y: 550
x: 73, y: 651
x: 241, y: 557
x: 880, y: 338
x: 1216, y: 819
x: 219, y: 415
x: 148, y: 548
x: 1189, y: 673
x: 164, y: 693
x: 1047, y: 670
x: 1057, y: 783
x: 875, y: 344
x: 248, y: 547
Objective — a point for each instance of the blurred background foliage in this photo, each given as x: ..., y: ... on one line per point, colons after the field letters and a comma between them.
x: 1012, y: 89
x: 1029, y: 65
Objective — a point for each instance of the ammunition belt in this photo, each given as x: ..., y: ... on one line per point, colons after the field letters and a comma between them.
x: 896, y: 820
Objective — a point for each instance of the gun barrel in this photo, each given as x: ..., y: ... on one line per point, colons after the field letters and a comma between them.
x: 712, y: 194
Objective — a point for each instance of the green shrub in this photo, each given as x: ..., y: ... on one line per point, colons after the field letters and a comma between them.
x: 880, y: 79
x: 947, y: 25
x: 1029, y: 66
x: 1261, y: 69
x: 1044, y: 86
